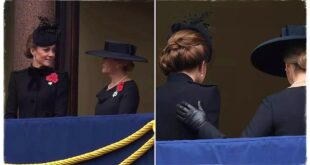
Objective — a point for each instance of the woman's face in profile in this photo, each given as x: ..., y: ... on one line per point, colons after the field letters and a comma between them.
x: 44, y: 56
x: 110, y: 66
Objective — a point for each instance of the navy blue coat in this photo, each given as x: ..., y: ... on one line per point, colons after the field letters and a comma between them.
x: 30, y: 94
x: 125, y: 102
x: 281, y: 114
x: 180, y: 87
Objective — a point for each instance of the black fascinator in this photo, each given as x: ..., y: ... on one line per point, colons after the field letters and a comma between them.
x: 196, y: 23
x: 46, y: 33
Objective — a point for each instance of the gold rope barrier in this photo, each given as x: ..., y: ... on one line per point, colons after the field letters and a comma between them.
x: 146, y: 146
x: 107, y: 149
x: 136, y: 155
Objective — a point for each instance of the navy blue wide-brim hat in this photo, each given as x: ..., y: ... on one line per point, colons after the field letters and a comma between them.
x: 268, y: 57
x: 117, y: 50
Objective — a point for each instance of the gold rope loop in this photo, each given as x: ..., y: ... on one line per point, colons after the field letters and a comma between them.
x: 107, y: 149
x: 136, y: 155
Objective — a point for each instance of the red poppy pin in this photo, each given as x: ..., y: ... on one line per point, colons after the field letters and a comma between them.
x: 52, y: 78
x: 119, y: 88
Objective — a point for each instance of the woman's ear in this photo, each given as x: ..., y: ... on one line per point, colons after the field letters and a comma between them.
x: 203, y: 67
x: 286, y: 67
x: 33, y: 51
x: 206, y: 66
x: 289, y: 68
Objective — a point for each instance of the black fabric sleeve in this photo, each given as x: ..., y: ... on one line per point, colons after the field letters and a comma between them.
x: 12, y: 102
x: 61, y: 102
x: 208, y: 131
x: 261, y: 124
x: 129, y: 102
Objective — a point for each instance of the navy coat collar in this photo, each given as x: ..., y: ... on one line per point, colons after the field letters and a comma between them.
x: 179, y: 77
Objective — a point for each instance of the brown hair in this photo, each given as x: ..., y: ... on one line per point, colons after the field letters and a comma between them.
x: 185, y: 49
x: 29, y: 45
x: 297, y: 55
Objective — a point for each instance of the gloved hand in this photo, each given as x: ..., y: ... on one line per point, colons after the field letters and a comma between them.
x: 191, y: 116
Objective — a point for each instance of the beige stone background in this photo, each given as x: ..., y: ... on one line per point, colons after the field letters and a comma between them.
x: 237, y: 28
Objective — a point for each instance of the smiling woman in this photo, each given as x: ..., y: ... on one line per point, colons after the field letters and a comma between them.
x: 39, y: 90
x: 40, y: 55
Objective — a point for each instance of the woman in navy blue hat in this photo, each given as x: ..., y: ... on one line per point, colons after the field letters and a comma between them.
x: 184, y: 61
x: 121, y: 95
x: 39, y: 90
x: 280, y: 114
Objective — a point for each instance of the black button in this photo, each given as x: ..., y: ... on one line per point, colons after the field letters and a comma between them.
x: 32, y: 101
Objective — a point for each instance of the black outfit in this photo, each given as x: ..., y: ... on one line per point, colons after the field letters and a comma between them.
x: 30, y: 94
x: 180, y: 87
x: 281, y: 114
x: 125, y: 102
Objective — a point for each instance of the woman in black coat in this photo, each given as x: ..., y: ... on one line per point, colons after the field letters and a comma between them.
x: 121, y: 95
x: 38, y: 91
x: 281, y: 114
x: 184, y: 60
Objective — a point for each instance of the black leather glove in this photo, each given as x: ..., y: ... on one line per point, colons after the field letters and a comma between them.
x: 191, y: 116
x: 197, y: 120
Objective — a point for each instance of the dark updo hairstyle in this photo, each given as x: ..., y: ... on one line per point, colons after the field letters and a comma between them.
x: 186, y: 49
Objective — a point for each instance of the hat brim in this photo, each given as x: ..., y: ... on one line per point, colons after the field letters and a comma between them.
x: 113, y: 55
x: 268, y: 57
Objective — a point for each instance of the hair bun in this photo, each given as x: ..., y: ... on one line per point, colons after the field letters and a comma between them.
x: 302, y: 62
x: 185, y: 49
x: 196, y: 23
x: 172, y: 46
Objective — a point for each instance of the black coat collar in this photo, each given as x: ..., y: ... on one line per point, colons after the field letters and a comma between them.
x: 42, y: 71
x: 36, y: 75
x: 105, y: 94
x: 179, y: 77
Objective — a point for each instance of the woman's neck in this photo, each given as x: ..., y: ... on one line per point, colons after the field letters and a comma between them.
x: 192, y: 73
x: 299, y: 80
x: 35, y: 64
x: 116, y: 79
